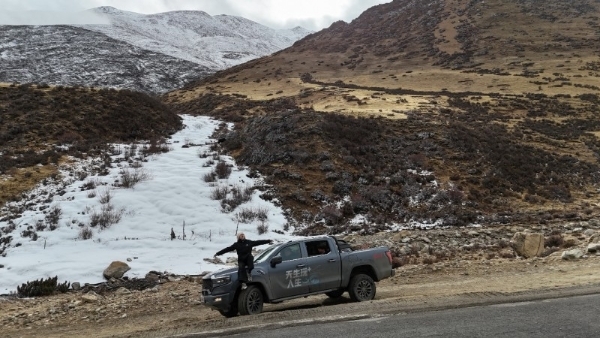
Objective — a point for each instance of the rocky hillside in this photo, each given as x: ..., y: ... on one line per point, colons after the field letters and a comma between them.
x: 39, y: 125
x: 423, y: 113
x: 149, y: 53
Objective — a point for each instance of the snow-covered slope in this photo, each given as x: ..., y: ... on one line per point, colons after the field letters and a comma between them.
x: 64, y: 55
x: 150, y: 53
x: 216, y: 42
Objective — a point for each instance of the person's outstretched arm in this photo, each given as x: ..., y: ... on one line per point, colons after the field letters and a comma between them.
x: 261, y: 242
x: 227, y: 249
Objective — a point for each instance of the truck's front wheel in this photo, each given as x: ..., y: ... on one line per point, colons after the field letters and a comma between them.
x: 362, y: 288
x: 232, y: 312
x: 250, y: 301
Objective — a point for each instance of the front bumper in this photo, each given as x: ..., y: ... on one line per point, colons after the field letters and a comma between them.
x: 216, y: 301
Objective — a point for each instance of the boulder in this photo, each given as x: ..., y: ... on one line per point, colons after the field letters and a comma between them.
x: 90, y: 297
x: 593, y: 247
x: 152, y: 277
x: 122, y: 291
x: 589, y: 232
x: 528, y: 245
x: 116, y: 269
x: 572, y: 254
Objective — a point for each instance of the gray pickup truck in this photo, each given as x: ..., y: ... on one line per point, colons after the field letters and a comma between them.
x: 297, y: 269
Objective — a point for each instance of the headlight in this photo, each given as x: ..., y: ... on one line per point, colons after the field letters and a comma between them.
x: 220, y: 280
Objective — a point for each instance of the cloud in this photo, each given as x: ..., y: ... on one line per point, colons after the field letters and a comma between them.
x: 311, y: 14
x: 50, y: 18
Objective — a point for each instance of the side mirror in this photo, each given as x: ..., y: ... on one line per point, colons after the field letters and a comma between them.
x: 276, y: 260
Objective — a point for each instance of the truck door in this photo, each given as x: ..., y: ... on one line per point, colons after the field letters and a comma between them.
x: 324, y: 264
x: 290, y: 277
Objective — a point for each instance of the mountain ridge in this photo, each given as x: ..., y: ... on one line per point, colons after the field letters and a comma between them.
x: 151, y: 53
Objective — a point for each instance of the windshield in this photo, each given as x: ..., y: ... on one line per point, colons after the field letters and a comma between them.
x: 263, y: 255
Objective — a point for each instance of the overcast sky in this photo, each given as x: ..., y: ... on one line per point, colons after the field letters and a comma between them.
x: 310, y: 14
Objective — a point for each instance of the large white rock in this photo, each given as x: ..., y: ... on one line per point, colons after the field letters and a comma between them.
x: 572, y: 254
x: 528, y: 245
x: 593, y: 247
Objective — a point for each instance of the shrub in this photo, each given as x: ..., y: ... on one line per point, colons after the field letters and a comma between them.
x: 105, y: 196
x: 554, y: 241
x: 90, y: 184
x: 41, y: 287
x: 239, y: 196
x: 262, y: 228
x: 429, y: 260
x: 156, y: 146
x: 85, y: 233
x: 332, y: 215
x: 222, y: 170
x: 106, y: 217
x: 210, y: 177
x: 53, y: 215
x: 40, y: 225
x: 129, y: 177
x: 342, y: 188
x: 569, y: 243
x: 219, y: 193
x: 30, y: 232
x: 208, y: 163
x: 247, y: 215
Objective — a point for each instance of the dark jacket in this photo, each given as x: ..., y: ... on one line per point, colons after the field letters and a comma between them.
x: 243, y: 248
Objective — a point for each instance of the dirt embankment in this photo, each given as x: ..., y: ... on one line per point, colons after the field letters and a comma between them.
x: 174, y: 308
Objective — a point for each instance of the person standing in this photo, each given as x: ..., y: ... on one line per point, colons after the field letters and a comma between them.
x: 243, y: 247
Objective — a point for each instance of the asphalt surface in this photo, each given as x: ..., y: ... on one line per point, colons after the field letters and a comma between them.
x: 552, y: 312
x: 563, y: 317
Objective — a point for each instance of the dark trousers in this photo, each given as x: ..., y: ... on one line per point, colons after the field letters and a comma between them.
x: 245, y: 266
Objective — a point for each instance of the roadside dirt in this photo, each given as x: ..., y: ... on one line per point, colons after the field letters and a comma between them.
x: 174, y: 308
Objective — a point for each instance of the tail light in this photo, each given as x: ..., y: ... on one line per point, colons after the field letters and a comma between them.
x: 389, y: 255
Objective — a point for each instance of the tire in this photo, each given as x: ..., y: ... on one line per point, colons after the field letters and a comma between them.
x: 335, y: 294
x: 362, y: 288
x: 250, y: 301
x: 232, y: 312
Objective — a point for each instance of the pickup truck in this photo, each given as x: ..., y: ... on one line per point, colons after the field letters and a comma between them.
x: 296, y: 269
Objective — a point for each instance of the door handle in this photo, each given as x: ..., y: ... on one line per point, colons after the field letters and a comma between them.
x: 331, y: 260
x: 300, y: 265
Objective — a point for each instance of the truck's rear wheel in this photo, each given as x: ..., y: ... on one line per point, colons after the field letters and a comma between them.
x: 361, y: 288
x: 250, y: 301
x: 335, y: 294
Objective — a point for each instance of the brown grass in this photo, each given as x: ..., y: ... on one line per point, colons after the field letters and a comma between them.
x: 19, y: 181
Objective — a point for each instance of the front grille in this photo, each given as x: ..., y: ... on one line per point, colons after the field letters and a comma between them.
x: 207, y: 284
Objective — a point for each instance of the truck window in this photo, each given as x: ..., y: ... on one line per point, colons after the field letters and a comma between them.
x: 263, y: 255
x: 291, y: 252
x: 316, y: 248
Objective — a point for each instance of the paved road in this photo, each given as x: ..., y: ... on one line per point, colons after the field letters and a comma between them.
x: 564, y: 317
